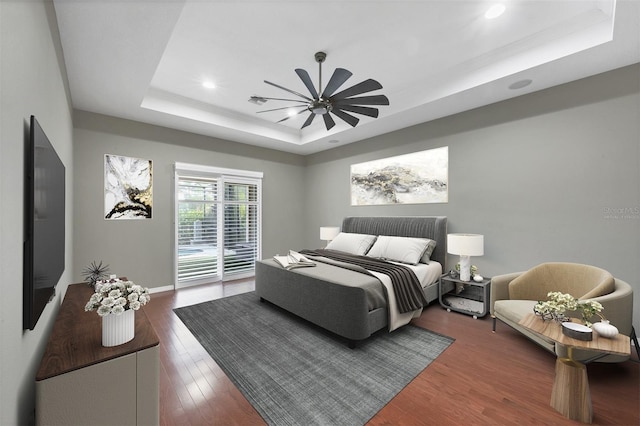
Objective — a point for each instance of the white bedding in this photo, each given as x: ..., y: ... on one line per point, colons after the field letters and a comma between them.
x: 427, y: 274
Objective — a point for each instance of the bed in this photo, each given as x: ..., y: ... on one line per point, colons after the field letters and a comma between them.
x: 344, y: 300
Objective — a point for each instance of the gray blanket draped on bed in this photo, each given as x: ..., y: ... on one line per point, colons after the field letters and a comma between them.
x: 406, y: 285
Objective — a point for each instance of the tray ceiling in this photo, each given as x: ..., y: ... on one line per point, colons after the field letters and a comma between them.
x: 147, y: 60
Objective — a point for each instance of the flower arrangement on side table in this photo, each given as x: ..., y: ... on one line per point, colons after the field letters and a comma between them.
x: 559, y: 303
x: 115, y: 296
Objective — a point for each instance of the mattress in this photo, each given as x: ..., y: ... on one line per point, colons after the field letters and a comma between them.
x: 427, y: 273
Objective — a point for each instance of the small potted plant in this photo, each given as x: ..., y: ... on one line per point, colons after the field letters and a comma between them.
x: 95, y: 272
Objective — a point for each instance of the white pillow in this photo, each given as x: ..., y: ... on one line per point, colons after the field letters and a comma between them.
x: 399, y: 249
x: 351, y: 243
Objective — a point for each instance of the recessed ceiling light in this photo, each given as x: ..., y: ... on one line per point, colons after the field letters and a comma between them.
x: 208, y: 84
x: 495, y: 11
x: 520, y: 84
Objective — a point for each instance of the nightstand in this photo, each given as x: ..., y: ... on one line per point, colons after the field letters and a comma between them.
x: 467, y: 297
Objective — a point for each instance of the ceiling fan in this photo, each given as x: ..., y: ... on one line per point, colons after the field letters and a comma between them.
x: 323, y: 102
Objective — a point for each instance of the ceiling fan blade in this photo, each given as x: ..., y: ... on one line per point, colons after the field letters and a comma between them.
x: 362, y: 87
x: 279, y: 109
x: 308, y: 120
x: 275, y: 99
x: 371, y: 112
x: 346, y: 117
x: 328, y: 121
x: 292, y: 115
x: 364, y: 100
x: 290, y: 91
x: 340, y: 75
x: 304, y: 76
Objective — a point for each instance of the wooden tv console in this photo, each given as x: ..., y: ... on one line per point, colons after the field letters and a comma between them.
x: 82, y: 382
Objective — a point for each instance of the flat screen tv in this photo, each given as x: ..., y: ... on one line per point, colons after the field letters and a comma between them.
x: 44, y: 242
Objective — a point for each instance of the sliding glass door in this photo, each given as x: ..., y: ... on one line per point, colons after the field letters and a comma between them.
x: 240, y: 227
x: 217, y: 224
x: 197, y: 230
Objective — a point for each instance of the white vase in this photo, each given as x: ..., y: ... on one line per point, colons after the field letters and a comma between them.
x: 605, y: 329
x: 118, y: 329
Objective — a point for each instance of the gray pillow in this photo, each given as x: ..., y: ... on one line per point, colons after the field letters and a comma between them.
x: 426, y: 257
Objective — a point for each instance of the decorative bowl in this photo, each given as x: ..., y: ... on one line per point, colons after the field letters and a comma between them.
x: 577, y: 331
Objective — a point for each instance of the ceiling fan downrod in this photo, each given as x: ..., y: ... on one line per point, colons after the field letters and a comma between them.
x: 320, y: 106
x: 320, y: 57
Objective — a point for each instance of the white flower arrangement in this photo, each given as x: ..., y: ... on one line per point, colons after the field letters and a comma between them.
x: 559, y: 303
x: 115, y: 296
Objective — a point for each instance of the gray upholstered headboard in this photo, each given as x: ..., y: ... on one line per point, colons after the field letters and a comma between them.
x: 433, y: 227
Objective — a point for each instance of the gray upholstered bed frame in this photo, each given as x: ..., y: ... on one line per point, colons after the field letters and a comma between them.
x: 339, y: 308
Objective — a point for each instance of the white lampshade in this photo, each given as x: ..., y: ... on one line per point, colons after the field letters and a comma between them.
x: 328, y: 233
x: 465, y: 244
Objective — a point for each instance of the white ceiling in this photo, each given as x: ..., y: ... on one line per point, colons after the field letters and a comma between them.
x: 146, y: 60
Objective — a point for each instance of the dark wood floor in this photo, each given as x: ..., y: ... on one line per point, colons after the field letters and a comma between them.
x: 483, y: 378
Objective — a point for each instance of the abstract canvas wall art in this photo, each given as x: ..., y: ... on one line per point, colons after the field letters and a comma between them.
x: 128, y: 187
x: 416, y: 178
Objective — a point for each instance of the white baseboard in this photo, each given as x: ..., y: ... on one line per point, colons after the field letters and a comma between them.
x: 161, y: 289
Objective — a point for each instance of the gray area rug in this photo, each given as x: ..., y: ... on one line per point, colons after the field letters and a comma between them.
x: 295, y: 373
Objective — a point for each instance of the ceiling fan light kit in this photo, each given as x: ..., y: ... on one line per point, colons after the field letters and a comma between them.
x: 326, y: 102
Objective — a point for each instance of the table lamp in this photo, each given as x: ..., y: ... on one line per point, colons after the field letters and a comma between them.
x: 328, y: 233
x: 465, y: 245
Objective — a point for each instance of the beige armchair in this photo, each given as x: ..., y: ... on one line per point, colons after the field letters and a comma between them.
x: 514, y: 295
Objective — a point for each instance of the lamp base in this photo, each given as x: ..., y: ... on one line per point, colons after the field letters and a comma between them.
x: 465, y: 268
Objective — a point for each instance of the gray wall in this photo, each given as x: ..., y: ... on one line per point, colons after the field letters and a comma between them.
x: 32, y: 81
x: 543, y: 177
x: 142, y: 250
